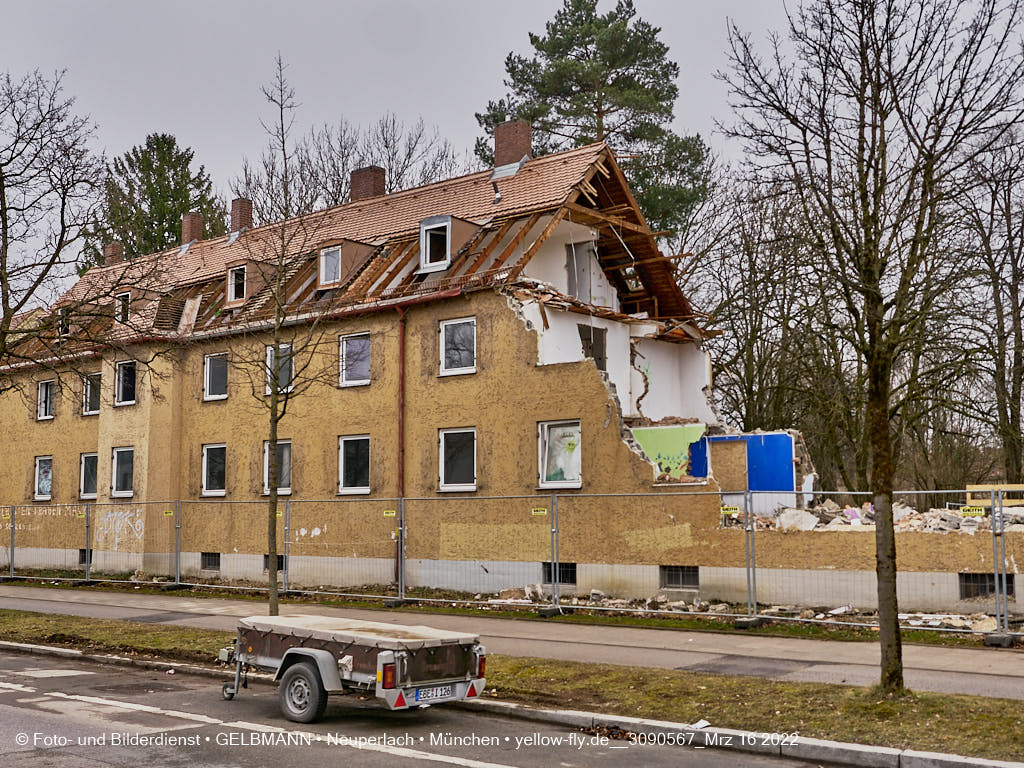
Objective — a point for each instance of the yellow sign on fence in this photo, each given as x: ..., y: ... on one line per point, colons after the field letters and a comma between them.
x: 390, y: 513
x: 730, y: 510
x: 539, y: 511
x: 972, y: 511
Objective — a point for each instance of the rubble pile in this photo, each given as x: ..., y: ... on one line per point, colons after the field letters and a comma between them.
x: 830, y: 516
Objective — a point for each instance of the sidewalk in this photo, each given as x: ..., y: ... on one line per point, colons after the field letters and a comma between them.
x: 982, y: 672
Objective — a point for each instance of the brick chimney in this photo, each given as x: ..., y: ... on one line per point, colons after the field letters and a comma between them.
x: 512, y: 140
x: 241, y: 214
x: 191, y: 227
x: 366, y: 182
x: 113, y: 253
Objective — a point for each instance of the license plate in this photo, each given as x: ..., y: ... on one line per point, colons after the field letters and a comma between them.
x: 437, y: 692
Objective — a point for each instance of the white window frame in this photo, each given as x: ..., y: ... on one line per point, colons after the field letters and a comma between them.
x: 35, y: 480
x: 122, y: 306
x: 122, y: 494
x: 320, y: 269
x: 435, y: 222
x: 81, y: 475
x: 117, y: 382
x: 232, y: 298
x: 271, y: 372
x: 342, y: 340
x: 50, y: 386
x: 542, y: 460
x: 206, y: 377
x: 342, y: 489
x: 215, y: 491
x: 454, y: 487
x: 281, y: 490
x: 87, y: 388
x: 441, y: 328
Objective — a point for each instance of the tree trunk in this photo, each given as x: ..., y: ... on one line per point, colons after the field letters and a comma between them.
x: 882, y: 472
x: 273, y: 470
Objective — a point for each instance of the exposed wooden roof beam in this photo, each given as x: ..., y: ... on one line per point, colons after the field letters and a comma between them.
x: 605, y: 218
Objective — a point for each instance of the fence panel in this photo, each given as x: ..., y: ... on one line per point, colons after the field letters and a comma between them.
x: 344, y: 546
x: 479, y: 548
x: 49, y: 540
x: 132, y: 540
x: 225, y: 543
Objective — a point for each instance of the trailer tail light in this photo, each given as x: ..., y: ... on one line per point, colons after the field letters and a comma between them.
x: 388, y: 678
x: 481, y: 666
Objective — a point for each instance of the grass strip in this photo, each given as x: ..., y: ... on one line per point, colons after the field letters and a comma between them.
x: 966, y: 725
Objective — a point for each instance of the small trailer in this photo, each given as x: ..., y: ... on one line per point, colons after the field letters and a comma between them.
x: 314, y: 656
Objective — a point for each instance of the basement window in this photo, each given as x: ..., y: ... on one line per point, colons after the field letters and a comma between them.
x: 85, y: 556
x: 354, y: 360
x: 45, y: 394
x: 281, y: 563
x: 91, y: 384
x: 214, y: 469
x: 558, y: 454
x: 457, y: 459
x: 354, y: 464
x: 44, y: 478
x: 215, y: 376
x: 209, y: 561
x: 87, y: 476
x: 122, y: 306
x: 330, y: 266
x: 236, y: 283
x: 124, y: 383
x: 284, y: 467
x: 566, y: 573
x: 458, y: 346
x: 679, y: 576
x: 123, y: 481
x: 595, y: 344
x: 435, y: 243
x: 982, y: 585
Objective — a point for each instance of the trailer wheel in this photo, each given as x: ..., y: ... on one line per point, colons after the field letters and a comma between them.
x: 302, y: 695
x: 227, y: 691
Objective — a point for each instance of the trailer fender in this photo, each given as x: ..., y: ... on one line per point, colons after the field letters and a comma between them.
x: 324, y: 661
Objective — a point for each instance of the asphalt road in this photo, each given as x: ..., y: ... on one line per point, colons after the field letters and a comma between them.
x: 981, y: 671
x: 63, y: 714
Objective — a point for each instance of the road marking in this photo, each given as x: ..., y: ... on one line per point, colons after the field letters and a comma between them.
x: 138, y: 707
x: 16, y: 687
x: 52, y: 673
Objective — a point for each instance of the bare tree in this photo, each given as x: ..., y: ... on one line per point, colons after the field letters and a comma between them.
x: 874, y: 116
x: 49, y: 190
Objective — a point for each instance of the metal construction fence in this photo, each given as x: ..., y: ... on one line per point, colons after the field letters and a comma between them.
x: 789, y: 556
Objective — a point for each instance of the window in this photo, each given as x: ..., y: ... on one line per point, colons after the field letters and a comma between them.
x: 283, y: 370
x: 44, y: 478
x: 679, y: 576
x: 982, y: 585
x: 215, y: 376
x: 457, y: 459
x: 214, y: 469
x: 281, y: 560
x: 91, y: 384
x: 209, y: 561
x: 85, y: 557
x: 284, y: 467
x: 124, y: 383
x: 122, y: 485
x: 64, y: 321
x: 435, y: 243
x: 330, y: 265
x: 594, y: 342
x: 87, y: 476
x: 355, y: 360
x: 458, y: 346
x: 122, y: 305
x: 577, y: 267
x: 236, y: 283
x: 354, y: 464
x: 559, y: 454
x: 46, y: 390
x: 566, y: 573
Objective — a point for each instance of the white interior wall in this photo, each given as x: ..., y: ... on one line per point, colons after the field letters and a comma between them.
x: 677, y: 376
x: 549, y: 263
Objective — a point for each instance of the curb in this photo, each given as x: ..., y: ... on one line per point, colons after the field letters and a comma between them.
x: 802, y: 748
x: 742, y: 741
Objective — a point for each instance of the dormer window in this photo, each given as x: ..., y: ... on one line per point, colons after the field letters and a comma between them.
x: 330, y: 266
x: 236, y: 283
x: 122, y: 303
x: 435, y: 243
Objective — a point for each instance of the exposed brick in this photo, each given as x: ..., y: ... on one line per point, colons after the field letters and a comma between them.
x: 113, y: 253
x: 241, y: 214
x: 367, y: 182
x: 191, y: 227
x: 512, y: 140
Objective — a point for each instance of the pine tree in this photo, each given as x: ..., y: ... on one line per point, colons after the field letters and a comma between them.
x: 606, y: 78
x: 147, y: 191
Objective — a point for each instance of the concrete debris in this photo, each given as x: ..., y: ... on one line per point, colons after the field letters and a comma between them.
x: 140, y: 575
x: 512, y: 594
x: 840, y: 610
x: 718, y: 608
x: 796, y: 520
x: 596, y: 595
x: 829, y: 516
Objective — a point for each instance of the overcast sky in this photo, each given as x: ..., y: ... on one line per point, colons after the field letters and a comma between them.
x: 194, y: 68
